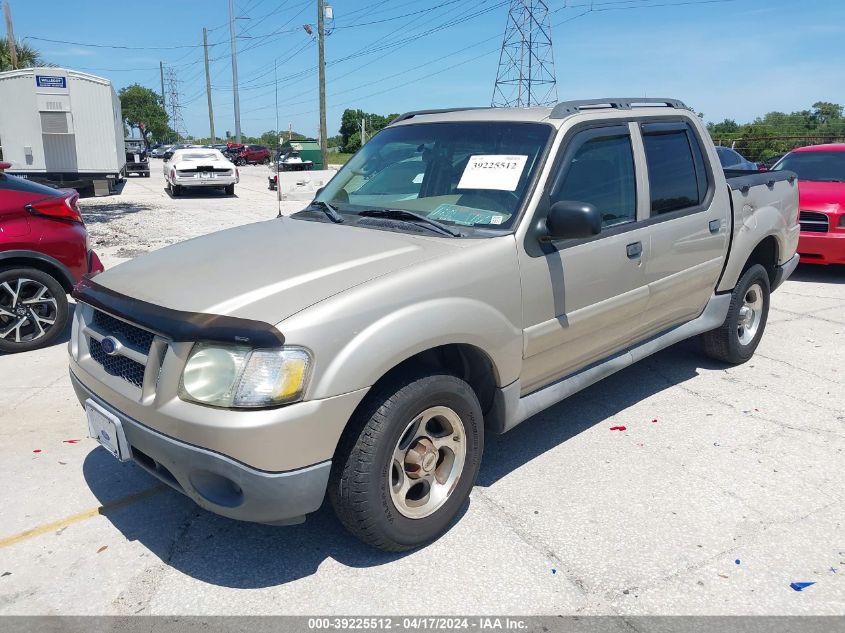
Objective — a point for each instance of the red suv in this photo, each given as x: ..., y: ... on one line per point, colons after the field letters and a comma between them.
x: 43, y: 253
x: 821, y: 189
x: 253, y: 154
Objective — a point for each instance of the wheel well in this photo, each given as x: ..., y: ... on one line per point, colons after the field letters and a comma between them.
x: 765, y: 254
x: 44, y: 266
x: 467, y: 362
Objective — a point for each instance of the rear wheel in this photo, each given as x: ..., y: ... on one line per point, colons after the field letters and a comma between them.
x: 266, y: 161
x: 408, y: 461
x: 737, y: 338
x: 176, y: 190
x: 33, y: 309
x: 229, y: 189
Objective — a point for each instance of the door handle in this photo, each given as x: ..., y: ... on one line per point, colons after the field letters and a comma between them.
x: 635, y: 250
x: 715, y: 226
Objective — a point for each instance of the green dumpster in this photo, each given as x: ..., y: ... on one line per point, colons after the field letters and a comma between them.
x: 309, y: 150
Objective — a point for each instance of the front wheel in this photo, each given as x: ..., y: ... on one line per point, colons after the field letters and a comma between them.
x: 33, y: 309
x: 737, y: 338
x: 408, y: 461
x: 266, y: 161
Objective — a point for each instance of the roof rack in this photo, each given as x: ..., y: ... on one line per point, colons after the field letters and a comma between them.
x: 411, y: 115
x: 567, y: 108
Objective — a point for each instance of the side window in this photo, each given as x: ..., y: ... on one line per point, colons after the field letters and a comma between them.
x: 601, y: 173
x: 674, y: 181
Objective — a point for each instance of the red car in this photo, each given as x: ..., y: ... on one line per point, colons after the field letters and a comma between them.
x: 821, y: 177
x: 43, y: 253
x: 253, y: 154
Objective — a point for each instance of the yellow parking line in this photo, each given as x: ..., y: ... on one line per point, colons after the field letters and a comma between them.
x: 81, y: 516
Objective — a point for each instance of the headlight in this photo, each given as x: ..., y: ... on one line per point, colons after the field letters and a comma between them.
x: 239, y: 376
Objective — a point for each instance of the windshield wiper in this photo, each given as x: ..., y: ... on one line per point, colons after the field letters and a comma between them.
x: 329, y: 210
x: 413, y: 218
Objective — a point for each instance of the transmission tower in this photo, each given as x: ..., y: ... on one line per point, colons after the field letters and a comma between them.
x: 174, y: 108
x: 526, y: 75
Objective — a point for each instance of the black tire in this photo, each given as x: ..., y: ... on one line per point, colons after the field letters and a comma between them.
x: 724, y: 343
x: 359, y: 484
x: 229, y: 189
x: 175, y: 190
x: 266, y: 161
x: 29, y: 332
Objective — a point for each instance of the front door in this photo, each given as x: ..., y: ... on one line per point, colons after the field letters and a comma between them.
x: 583, y: 299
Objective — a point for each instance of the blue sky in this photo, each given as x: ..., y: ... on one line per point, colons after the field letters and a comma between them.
x: 735, y: 59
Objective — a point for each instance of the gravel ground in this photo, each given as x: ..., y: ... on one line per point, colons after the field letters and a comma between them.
x: 725, y: 487
x: 144, y: 216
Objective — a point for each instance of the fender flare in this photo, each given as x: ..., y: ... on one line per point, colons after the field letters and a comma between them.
x: 383, y: 345
x: 63, y: 276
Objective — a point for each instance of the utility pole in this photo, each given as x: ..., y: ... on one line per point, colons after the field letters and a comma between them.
x: 235, y: 71
x: 321, y: 35
x: 363, y: 131
x: 10, y: 35
x: 161, y: 70
x: 208, y: 83
x: 276, y: 83
x: 526, y: 75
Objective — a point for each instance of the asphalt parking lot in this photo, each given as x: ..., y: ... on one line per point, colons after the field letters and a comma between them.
x: 724, y: 488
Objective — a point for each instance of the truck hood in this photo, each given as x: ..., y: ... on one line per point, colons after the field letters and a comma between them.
x: 821, y: 196
x: 270, y: 270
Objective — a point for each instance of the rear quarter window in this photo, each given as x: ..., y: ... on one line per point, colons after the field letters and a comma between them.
x: 674, y: 180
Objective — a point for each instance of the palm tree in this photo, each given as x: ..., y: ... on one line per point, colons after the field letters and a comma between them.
x: 27, y: 56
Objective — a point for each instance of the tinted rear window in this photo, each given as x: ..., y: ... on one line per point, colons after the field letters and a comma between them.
x: 13, y: 183
x: 672, y: 176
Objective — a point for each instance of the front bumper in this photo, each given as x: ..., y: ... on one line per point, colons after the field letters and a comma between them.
x: 216, y: 482
x: 822, y: 248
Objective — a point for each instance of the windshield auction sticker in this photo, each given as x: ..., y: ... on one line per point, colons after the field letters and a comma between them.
x: 495, y: 171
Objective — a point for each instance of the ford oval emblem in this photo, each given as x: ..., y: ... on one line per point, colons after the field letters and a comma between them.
x: 110, y: 345
x: 105, y: 436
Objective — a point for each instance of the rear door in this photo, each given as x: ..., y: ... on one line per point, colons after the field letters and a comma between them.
x: 688, y: 224
x: 583, y: 299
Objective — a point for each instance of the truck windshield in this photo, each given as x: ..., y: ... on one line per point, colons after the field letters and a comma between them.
x: 815, y: 166
x: 466, y: 174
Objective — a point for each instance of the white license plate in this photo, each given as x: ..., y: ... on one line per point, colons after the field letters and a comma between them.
x: 106, y: 428
x: 206, y: 174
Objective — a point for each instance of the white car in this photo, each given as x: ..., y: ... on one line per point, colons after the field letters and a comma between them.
x: 200, y: 167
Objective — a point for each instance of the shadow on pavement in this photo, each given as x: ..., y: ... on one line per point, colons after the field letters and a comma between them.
x: 813, y: 273
x: 108, y: 211
x: 234, y: 554
x: 595, y: 405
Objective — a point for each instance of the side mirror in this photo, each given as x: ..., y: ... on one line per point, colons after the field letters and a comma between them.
x: 570, y: 219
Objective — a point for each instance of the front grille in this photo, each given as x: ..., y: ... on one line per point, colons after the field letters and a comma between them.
x: 130, y: 335
x: 119, y: 366
x: 812, y: 222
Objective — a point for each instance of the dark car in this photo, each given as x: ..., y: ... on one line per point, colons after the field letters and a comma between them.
x: 253, y: 154
x: 733, y: 160
x: 137, y: 157
x: 43, y: 254
x: 169, y: 153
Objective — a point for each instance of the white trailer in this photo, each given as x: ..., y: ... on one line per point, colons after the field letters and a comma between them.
x: 62, y: 127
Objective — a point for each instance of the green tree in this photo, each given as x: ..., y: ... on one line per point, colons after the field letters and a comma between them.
x: 350, y: 125
x: 27, y: 55
x: 142, y: 105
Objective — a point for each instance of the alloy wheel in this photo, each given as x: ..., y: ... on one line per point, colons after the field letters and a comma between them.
x: 28, y: 310
x: 750, y: 314
x: 427, y: 462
